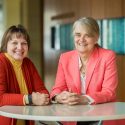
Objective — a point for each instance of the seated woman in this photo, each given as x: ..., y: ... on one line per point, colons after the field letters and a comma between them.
x: 88, y: 74
x: 20, y: 83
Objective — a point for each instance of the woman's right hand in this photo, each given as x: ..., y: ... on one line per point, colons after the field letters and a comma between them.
x: 66, y: 97
x: 62, y: 97
x: 40, y: 98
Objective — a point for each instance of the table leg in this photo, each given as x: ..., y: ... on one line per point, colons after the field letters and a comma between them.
x: 100, y: 122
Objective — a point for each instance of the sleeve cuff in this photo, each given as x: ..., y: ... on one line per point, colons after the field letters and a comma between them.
x: 91, y: 100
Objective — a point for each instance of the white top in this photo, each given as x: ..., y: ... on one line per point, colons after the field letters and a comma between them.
x: 83, y: 84
x: 60, y: 112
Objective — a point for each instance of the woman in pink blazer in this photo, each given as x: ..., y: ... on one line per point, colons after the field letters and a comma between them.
x: 88, y: 74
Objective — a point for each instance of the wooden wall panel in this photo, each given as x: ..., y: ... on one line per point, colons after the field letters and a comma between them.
x: 84, y: 8
x: 123, y: 7
x: 98, y: 9
x: 121, y: 74
x: 113, y: 8
x: 65, y: 11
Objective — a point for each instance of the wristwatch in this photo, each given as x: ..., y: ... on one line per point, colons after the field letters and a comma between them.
x: 30, y: 99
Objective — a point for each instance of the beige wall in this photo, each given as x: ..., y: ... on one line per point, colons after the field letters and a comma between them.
x: 28, y: 13
x: 35, y: 28
x: 12, y: 12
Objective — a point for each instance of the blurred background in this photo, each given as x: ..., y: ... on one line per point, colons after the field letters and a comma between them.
x: 49, y: 23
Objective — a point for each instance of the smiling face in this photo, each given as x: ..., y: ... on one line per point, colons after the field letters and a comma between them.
x: 84, y: 41
x: 86, y: 34
x: 17, y: 47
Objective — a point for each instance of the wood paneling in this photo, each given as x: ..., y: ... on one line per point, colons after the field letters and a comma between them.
x: 123, y: 7
x: 107, y: 8
x: 121, y: 76
x: 84, y: 8
x: 113, y: 8
x: 98, y: 9
x: 64, y: 11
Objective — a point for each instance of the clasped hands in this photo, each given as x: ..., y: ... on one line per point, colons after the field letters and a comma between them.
x: 40, y: 98
x: 71, y: 98
x: 64, y: 97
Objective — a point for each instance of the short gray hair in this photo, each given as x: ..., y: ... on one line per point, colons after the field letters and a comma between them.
x: 89, y: 23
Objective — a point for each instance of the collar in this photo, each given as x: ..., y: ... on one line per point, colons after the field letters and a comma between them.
x: 14, y: 62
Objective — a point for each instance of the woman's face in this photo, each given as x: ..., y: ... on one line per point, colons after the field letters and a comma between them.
x: 84, y: 42
x: 17, y: 48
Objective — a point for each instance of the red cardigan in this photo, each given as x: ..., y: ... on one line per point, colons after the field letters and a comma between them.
x: 9, y: 88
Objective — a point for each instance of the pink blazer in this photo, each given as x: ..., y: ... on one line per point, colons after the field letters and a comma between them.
x: 101, y: 75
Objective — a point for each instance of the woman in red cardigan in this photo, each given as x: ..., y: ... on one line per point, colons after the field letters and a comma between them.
x: 20, y: 83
